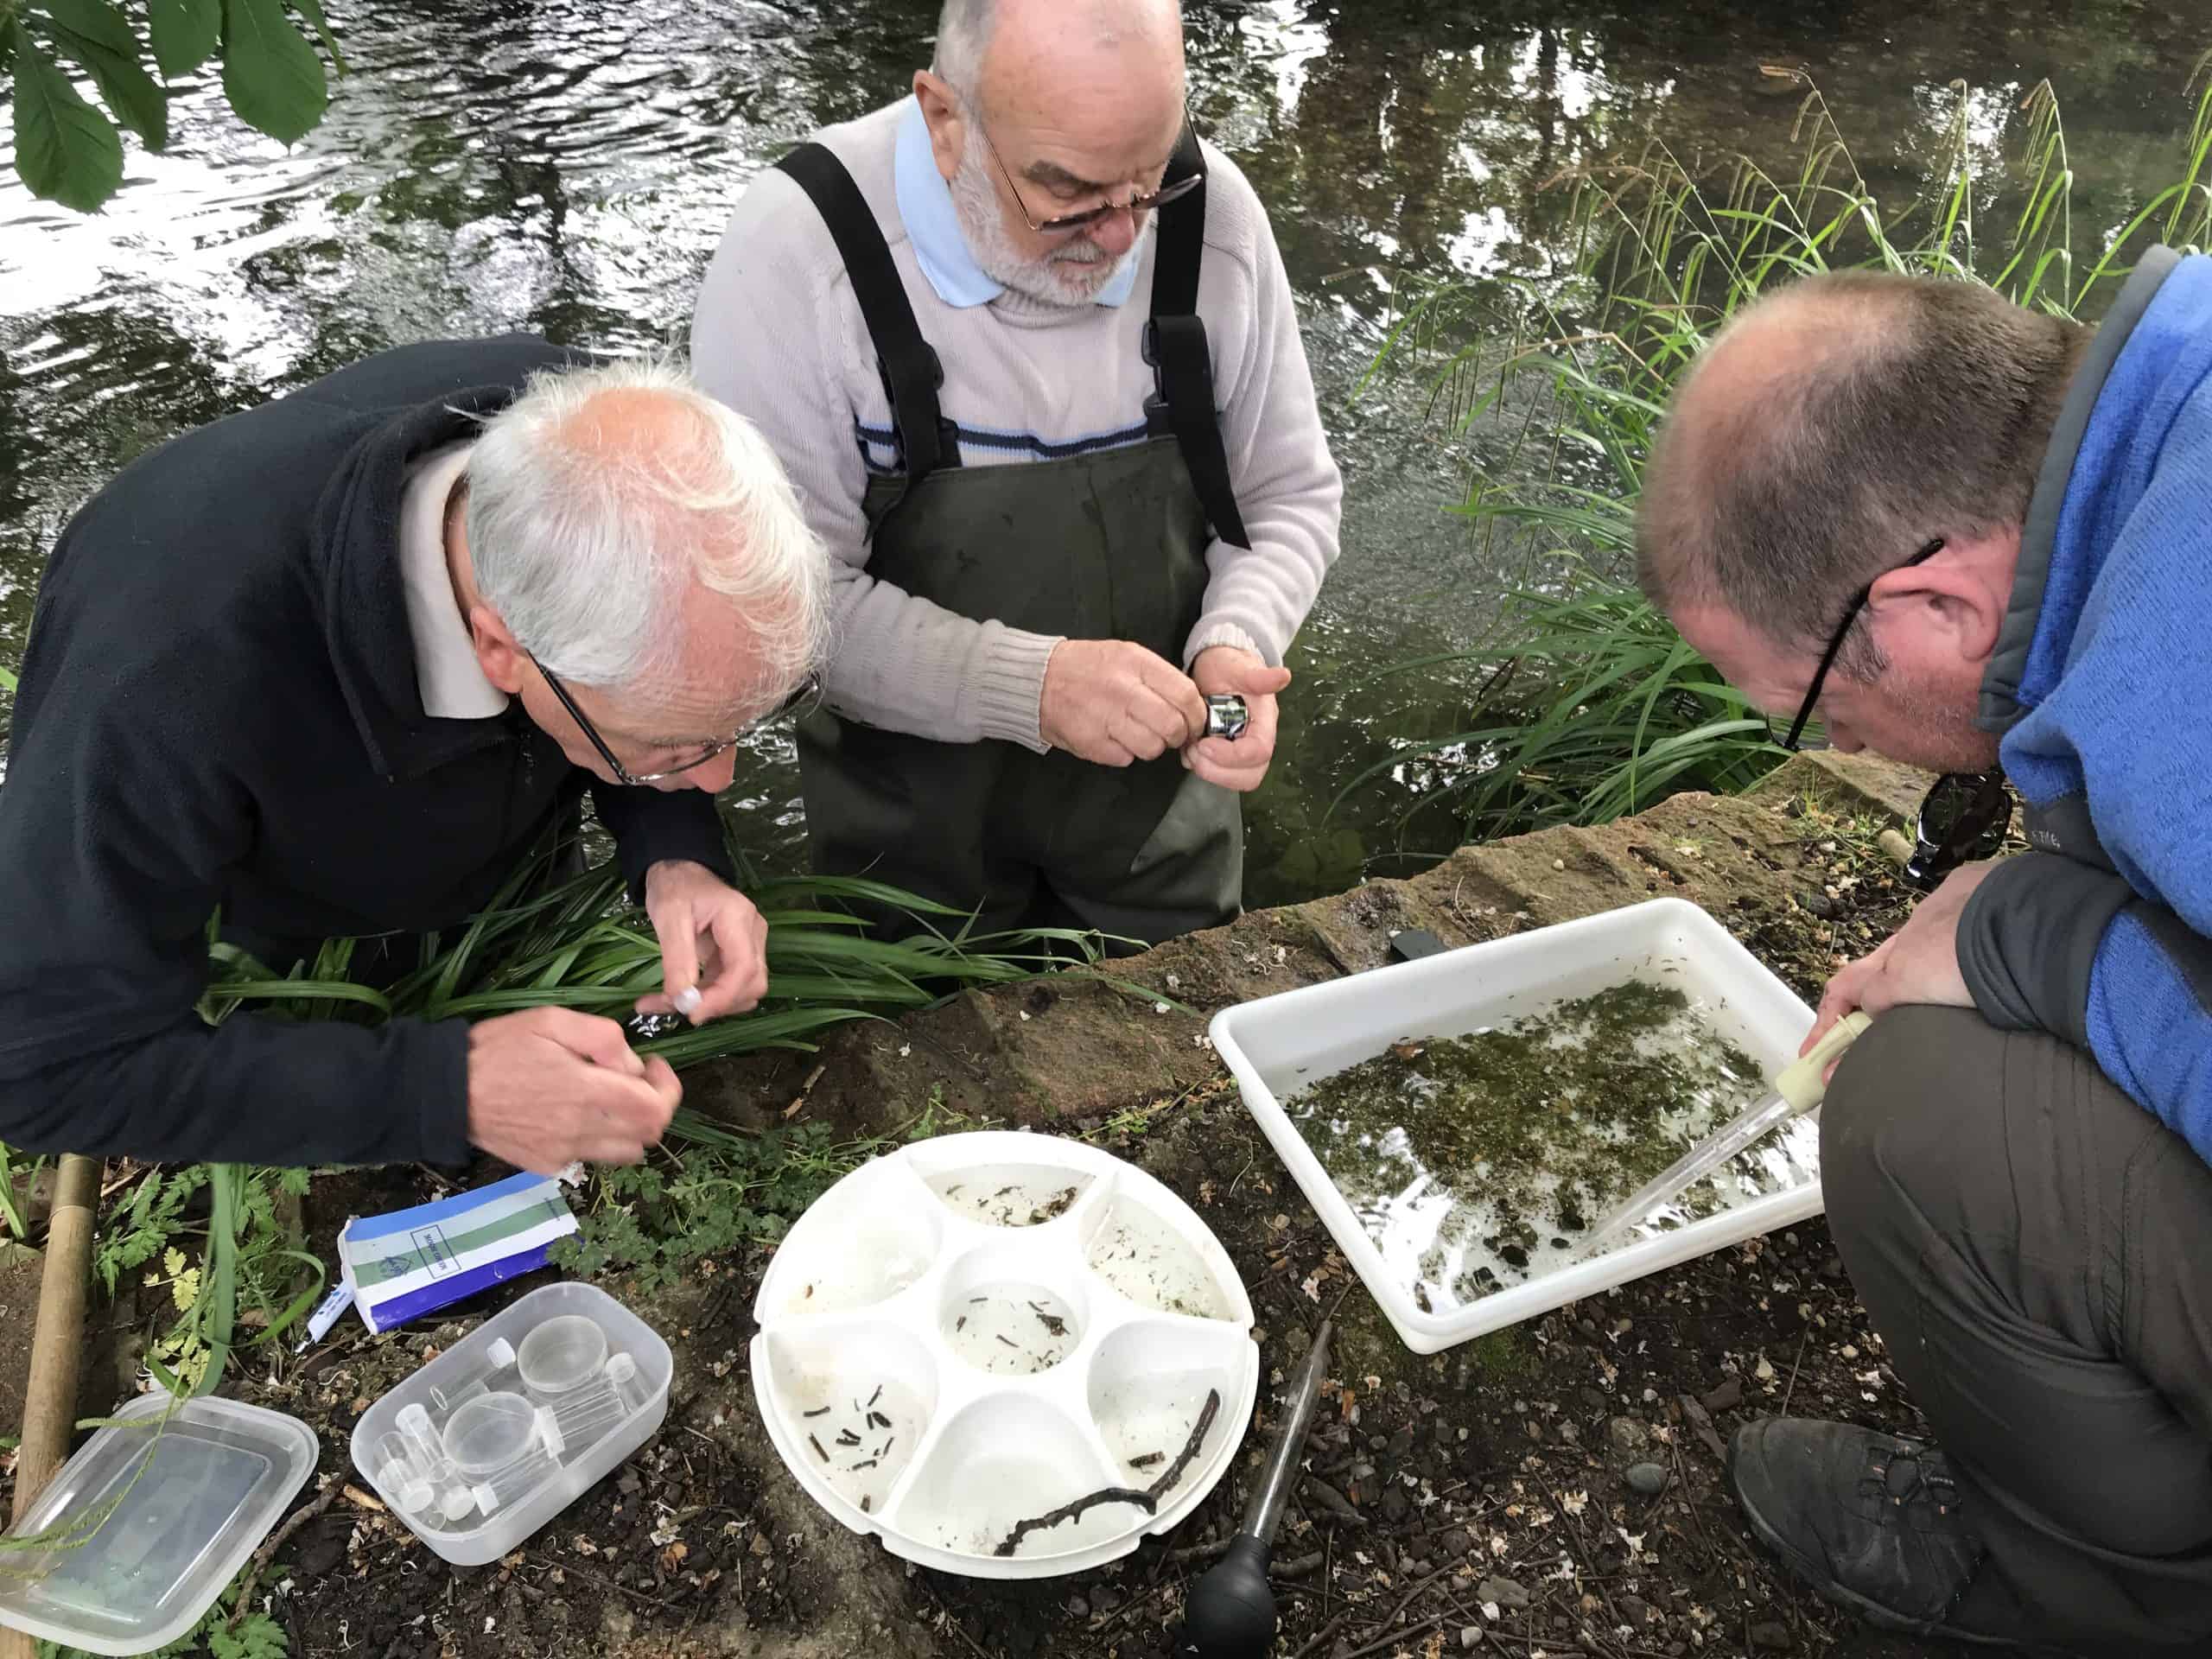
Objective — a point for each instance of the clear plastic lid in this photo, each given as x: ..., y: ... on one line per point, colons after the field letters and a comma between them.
x: 151, y: 1520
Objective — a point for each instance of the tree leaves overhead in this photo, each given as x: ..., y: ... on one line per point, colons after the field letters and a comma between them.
x: 273, y: 77
x: 94, y: 33
x: 65, y: 150
x: 312, y: 10
x: 185, y: 33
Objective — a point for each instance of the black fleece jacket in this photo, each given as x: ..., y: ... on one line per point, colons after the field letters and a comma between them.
x: 219, y: 707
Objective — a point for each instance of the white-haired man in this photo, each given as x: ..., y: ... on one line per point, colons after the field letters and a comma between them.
x: 1061, y: 520
x: 332, y: 666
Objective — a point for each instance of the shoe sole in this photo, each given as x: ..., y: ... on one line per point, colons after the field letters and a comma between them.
x: 1873, y: 1612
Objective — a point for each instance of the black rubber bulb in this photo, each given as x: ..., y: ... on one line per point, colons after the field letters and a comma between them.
x: 1231, y: 1613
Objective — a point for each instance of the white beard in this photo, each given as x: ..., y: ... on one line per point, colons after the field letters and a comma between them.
x: 1073, y: 274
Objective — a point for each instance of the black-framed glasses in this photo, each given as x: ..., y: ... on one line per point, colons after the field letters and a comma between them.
x: 1964, y: 817
x: 809, y: 688
x: 1141, y: 202
x: 1835, y: 644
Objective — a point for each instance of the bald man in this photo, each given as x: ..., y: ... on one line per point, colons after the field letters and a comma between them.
x: 336, y: 665
x: 1964, y: 534
x: 1026, y: 347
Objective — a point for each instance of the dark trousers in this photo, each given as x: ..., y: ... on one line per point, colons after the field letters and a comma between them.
x: 2036, y: 1251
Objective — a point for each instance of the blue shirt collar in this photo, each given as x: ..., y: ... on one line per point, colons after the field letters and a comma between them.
x: 933, y: 227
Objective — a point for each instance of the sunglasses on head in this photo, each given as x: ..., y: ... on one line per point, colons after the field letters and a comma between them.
x: 1964, y: 817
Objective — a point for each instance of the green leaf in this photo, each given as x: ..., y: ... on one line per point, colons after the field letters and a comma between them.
x: 94, y: 33
x: 7, y: 679
x: 312, y: 10
x: 271, y: 73
x: 227, y: 1183
x: 65, y: 150
x: 185, y: 33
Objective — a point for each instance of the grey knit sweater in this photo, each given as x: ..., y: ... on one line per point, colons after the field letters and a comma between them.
x: 780, y: 337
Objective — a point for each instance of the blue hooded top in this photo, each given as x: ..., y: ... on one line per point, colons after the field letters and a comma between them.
x: 2101, y: 688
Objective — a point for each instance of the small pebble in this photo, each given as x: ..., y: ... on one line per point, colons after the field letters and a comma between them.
x: 1770, y: 1637
x: 1504, y: 1592
x: 1470, y: 1637
x: 1079, y: 1608
x: 1646, y: 1479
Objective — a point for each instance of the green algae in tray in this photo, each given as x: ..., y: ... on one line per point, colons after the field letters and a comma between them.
x: 1480, y: 1161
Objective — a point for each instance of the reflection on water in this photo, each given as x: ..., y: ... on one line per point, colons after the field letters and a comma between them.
x: 566, y: 166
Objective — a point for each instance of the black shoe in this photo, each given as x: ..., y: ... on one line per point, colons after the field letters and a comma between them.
x: 1871, y: 1521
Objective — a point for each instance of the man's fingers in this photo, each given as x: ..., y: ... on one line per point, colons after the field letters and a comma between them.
x: 605, y: 1149
x: 1180, y: 691
x: 679, y: 950
x: 1162, y: 717
x: 1243, y: 779
x: 1852, y: 988
x: 595, y: 1037
x: 660, y: 1078
x: 1261, y: 681
x: 741, y: 946
x: 1130, y: 730
x: 639, y: 1107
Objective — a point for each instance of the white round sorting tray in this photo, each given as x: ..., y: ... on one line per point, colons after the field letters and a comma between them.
x: 977, y: 1330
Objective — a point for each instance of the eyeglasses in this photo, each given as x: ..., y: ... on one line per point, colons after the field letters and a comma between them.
x: 809, y: 689
x: 1964, y: 817
x: 1141, y: 202
x: 1835, y: 645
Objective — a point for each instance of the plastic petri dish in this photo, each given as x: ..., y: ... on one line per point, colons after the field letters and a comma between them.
x: 491, y: 1432
x: 563, y: 1353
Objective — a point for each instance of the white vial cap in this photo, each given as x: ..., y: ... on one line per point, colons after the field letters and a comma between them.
x: 501, y: 1352
x: 549, y: 1430
x: 414, y: 1419
x: 620, y: 1368
x: 486, y: 1498
x: 457, y: 1502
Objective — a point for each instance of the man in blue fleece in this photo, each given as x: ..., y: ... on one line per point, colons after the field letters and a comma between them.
x: 1966, y: 533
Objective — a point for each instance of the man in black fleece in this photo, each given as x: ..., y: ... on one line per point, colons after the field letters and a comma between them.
x: 332, y: 666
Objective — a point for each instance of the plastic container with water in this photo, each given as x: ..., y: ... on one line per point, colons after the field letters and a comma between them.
x: 151, y: 1519
x: 1279, y: 1045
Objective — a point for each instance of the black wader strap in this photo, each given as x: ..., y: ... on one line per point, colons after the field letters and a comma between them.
x: 911, y: 373
x: 1175, y: 345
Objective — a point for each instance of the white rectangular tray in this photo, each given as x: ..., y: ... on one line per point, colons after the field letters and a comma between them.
x: 1279, y: 1044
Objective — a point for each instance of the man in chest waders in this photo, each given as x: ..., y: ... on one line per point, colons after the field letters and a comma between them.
x: 1061, y: 520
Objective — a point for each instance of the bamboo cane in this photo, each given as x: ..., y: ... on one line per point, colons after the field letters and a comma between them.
x: 50, y: 1393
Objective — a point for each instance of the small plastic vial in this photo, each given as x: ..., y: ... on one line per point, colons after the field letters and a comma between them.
x: 402, y: 1474
x: 629, y: 1386
x: 498, y: 1356
x: 426, y: 1458
x: 518, y: 1479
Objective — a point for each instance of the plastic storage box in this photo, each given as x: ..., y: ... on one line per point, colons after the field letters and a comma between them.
x: 506, y: 1468
x: 1278, y: 1045
x: 156, y: 1519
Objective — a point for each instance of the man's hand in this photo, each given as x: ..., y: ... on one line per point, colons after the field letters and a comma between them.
x: 1114, y: 702
x: 550, y: 1086
x: 712, y: 941
x: 1918, y: 963
x: 1228, y: 671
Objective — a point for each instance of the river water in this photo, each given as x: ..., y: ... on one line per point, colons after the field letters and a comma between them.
x: 566, y: 166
